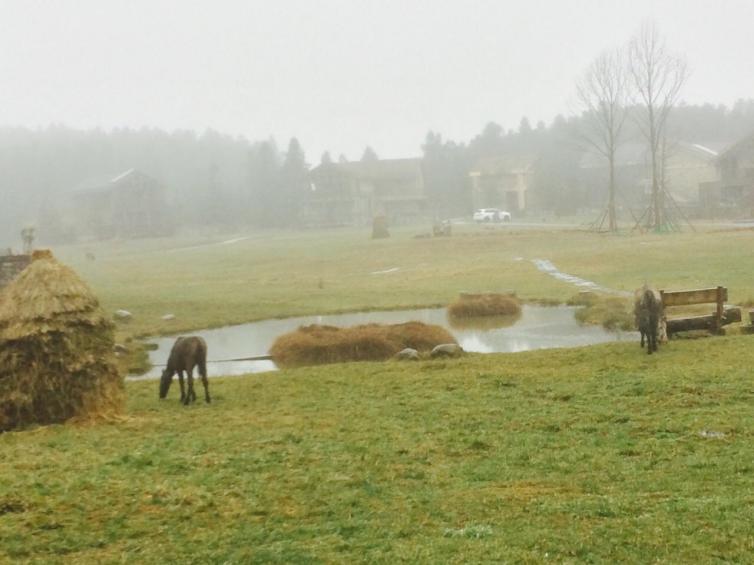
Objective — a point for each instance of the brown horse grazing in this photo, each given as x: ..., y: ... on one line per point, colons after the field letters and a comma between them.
x: 648, y: 313
x: 187, y: 353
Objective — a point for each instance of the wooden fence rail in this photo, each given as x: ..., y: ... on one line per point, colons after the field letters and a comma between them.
x: 713, y: 322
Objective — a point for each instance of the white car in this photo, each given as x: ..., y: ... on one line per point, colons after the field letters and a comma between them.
x: 491, y: 215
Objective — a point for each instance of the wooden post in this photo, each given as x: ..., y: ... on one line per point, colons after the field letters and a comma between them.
x: 719, y: 313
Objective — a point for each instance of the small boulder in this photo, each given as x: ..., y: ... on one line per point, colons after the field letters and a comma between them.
x: 446, y: 350
x: 120, y: 349
x: 168, y: 317
x: 123, y: 315
x: 407, y: 354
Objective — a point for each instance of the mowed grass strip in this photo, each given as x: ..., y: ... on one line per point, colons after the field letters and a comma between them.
x: 598, y: 454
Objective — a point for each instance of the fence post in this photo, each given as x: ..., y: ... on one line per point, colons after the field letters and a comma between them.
x: 720, y: 309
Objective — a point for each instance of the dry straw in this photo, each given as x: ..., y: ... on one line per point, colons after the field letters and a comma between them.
x: 315, y: 344
x: 487, y: 304
x: 56, y: 359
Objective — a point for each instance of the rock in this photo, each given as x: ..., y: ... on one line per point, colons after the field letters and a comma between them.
x: 123, y: 315
x: 168, y: 317
x: 120, y: 349
x: 407, y: 354
x: 447, y: 350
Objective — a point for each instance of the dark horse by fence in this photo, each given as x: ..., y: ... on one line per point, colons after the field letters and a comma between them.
x: 649, y: 317
x: 187, y: 353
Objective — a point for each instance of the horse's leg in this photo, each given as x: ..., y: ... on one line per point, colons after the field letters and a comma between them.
x: 205, y: 382
x: 190, y: 393
x: 180, y: 381
x: 206, y: 388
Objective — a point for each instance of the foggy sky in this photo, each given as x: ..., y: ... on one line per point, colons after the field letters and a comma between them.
x: 340, y: 74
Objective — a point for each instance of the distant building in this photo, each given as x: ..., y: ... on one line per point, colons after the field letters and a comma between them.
x: 501, y: 182
x: 685, y: 166
x: 11, y: 265
x: 125, y: 205
x: 353, y: 193
x: 732, y: 191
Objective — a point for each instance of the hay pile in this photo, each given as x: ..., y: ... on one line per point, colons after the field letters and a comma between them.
x: 56, y: 359
x: 486, y: 304
x: 315, y: 344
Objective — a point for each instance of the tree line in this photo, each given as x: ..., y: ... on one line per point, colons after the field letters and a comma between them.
x: 222, y: 182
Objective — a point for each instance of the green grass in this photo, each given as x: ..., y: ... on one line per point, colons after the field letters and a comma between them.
x: 582, y: 455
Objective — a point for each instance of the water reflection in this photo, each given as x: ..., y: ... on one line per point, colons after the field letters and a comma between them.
x: 538, y: 327
x: 482, y: 322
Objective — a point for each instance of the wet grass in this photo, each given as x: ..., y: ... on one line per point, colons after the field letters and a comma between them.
x: 610, y: 312
x: 206, y: 283
x: 599, y: 454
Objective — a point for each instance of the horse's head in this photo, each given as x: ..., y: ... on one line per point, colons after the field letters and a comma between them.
x: 165, y: 380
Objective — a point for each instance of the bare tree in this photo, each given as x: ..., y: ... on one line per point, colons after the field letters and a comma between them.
x: 657, y: 76
x: 602, y: 93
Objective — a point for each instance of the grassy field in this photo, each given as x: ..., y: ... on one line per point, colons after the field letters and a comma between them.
x: 205, y: 282
x: 599, y: 454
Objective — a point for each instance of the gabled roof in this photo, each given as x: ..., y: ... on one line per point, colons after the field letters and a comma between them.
x: 635, y: 153
x: 104, y: 183
x: 743, y: 147
x: 502, y: 164
x: 375, y: 170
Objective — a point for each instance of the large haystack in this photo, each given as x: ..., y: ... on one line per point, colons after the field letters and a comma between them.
x: 56, y: 344
x: 313, y: 345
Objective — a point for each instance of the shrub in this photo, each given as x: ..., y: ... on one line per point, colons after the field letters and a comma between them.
x: 610, y: 312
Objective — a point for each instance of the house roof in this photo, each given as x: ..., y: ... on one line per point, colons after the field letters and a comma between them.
x: 635, y: 153
x: 500, y: 164
x: 743, y: 147
x: 373, y: 170
x: 104, y: 183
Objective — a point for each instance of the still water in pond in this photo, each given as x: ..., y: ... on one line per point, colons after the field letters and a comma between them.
x: 539, y: 327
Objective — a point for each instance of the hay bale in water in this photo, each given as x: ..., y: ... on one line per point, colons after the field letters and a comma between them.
x: 56, y: 349
x: 486, y: 304
x: 315, y: 344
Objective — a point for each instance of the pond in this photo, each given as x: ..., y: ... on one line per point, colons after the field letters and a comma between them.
x: 538, y: 327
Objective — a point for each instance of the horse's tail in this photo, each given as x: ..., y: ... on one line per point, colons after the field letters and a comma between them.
x: 203, y: 360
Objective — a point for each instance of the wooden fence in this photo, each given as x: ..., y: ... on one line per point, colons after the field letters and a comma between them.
x: 713, y: 322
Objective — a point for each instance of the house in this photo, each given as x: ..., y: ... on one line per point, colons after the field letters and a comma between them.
x: 501, y: 182
x: 124, y: 205
x: 731, y: 193
x: 353, y: 193
x: 11, y: 265
x: 682, y: 167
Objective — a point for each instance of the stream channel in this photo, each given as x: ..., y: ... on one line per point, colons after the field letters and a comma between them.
x: 538, y: 327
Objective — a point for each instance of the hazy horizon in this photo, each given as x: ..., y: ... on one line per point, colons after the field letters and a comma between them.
x: 340, y: 75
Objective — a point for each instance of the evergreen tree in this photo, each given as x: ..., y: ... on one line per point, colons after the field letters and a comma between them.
x: 369, y: 155
x: 446, y: 176
x: 294, y: 183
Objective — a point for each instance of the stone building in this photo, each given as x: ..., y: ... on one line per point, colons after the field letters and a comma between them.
x: 353, y: 193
